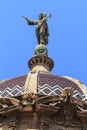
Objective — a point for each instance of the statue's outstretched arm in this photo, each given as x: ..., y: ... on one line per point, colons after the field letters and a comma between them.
x: 30, y: 22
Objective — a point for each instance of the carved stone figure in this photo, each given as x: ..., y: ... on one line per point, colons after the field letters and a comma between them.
x: 41, y: 30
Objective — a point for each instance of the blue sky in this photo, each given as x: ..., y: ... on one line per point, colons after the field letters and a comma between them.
x: 67, y: 41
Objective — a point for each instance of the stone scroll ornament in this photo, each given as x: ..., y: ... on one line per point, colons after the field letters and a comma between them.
x: 41, y: 30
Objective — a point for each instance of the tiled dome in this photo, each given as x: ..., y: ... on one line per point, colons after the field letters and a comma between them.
x: 47, y: 84
x: 12, y: 87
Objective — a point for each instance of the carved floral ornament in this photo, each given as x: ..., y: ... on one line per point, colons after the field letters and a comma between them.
x: 62, y: 110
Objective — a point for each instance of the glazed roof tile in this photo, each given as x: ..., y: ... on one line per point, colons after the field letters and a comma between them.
x: 47, y: 84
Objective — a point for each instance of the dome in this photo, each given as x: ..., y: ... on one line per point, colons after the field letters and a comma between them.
x: 46, y: 84
x: 49, y: 84
x: 13, y: 86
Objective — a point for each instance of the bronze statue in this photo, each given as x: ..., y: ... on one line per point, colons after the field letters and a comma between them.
x: 41, y: 30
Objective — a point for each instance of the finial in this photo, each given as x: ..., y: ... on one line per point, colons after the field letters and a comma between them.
x: 41, y: 30
x: 41, y: 50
